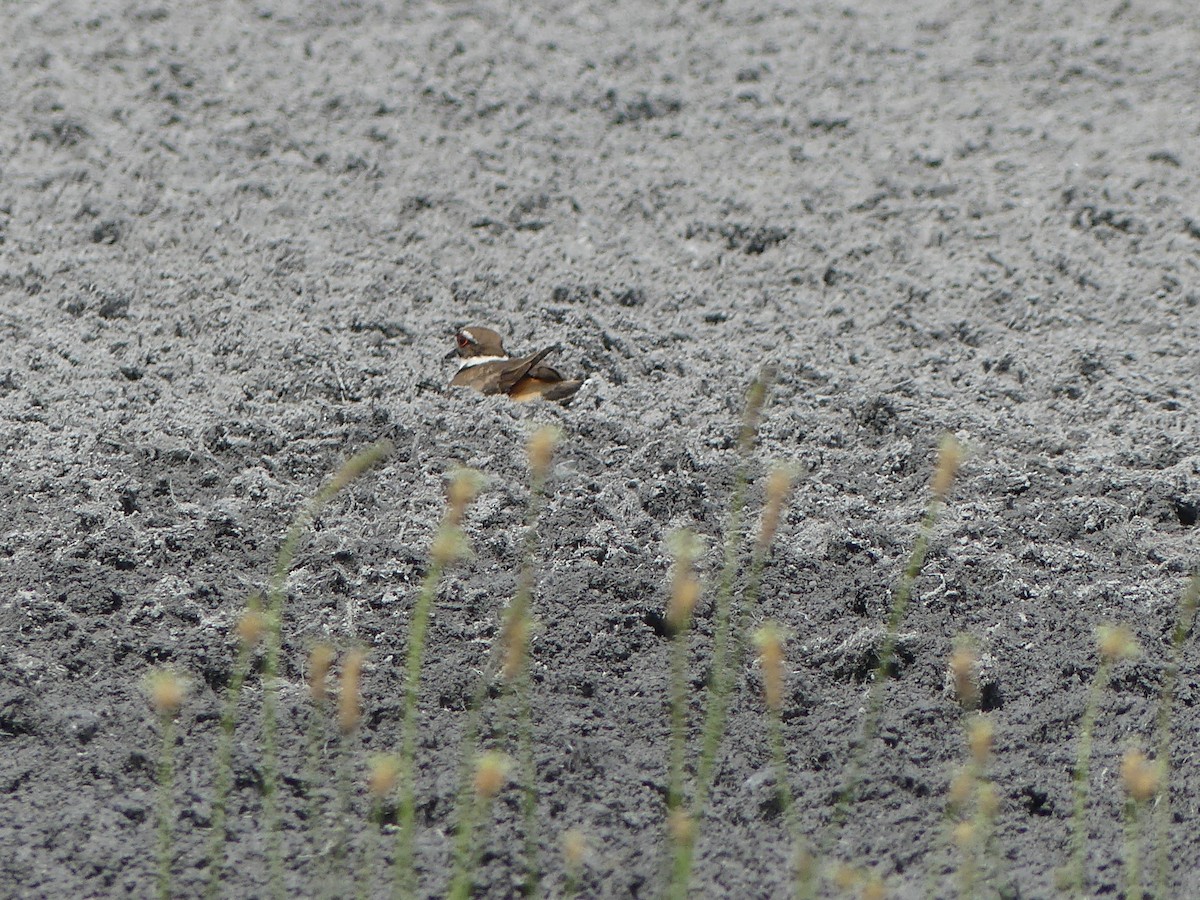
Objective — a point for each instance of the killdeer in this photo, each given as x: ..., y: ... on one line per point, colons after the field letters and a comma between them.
x: 487, y: 367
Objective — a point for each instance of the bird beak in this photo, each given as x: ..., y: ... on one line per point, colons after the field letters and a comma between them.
x: 451, y: 354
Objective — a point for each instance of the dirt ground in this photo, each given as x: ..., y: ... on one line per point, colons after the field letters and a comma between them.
x: 236, y: 238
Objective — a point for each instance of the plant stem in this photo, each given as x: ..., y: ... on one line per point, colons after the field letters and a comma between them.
x: 1079, y: 817
x: 166, y: 805
x: 224, y: 771
x: 887, y: 652
x: 276, y: 595
x: 720, y: 679
x: 1133, y: 842
x: 1162, y: 813
x: 405, y: 867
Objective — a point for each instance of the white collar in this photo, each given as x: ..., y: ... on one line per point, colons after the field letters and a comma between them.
x: 480, y: 360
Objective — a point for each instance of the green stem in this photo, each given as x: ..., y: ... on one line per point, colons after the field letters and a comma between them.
x: 316, y: 819
x: 517, y: 612
x: 529, y: 792
x: 1133, y: 842
x: 224, y: 772
x: 405, y: 866
x: 787, y: 805
x: 467, y: 853
x: 1086, y: 729
x: 276, y: 595
x: 681, y: 864
x: 1162, y: 813
x: 719, y: 682
x: 887, y: 653
x: 522, y: 690
x: 718, y: 693
x: 371, y: 851
x: 342, y: 856
x: 166, y: 805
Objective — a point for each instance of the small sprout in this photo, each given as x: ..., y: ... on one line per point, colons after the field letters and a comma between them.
x: 349, y: 706
x: 950, y: 456
x: 681, y: 826
x: 166, y: 692
x: 384, y: 769
x: 491, y: 771
x: 252, y: 624
x: 1116, y: 642
x: 980, y: 734
x: 964, y: 834
x: 769, y: 640
x: 1139, y: 775
x: 964, y: 669
x: 574, y: 848
x: 541, y: 451
x: 319, y: 661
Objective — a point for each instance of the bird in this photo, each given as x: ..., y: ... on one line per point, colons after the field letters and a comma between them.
x: 488, y: 368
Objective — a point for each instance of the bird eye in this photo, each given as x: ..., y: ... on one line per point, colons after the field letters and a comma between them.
x: 462, y: 339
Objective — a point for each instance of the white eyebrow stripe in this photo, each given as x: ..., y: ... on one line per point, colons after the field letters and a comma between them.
x: 470, y: 337
x: 479, y: 361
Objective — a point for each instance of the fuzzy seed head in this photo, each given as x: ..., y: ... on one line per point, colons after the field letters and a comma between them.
x: 874, y: 889
x: 964, y: 834
x: 806, y: 865
x: 988, y: 800
x: 846, y: 878
x: 1116, y: 642
x: 464, y: 487
x: 541, y: 451
x: 964, y: 669
x: 251, y: 626
x: 448, y: 545
x: 950, y: 456
x: 756, y: 397
x: 685, y: 547
x: 685, y: 594
x: 384, y: 769
x: 769, y: 640
x: 358, y: 464
x: 319, y: 661
x: 349, y: 704
x: 980, y: 735
x: 166, y: 692
x: 516, y: 645
x: 574, y: 848
x: 779, y: 488
x: 1139, y: 775
x: 491, y: 771
x: 960, y: 790
x: 681, y: 826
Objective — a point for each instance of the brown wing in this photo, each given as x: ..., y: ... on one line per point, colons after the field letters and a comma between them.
x: 544, y: 373
x: 519, y: 368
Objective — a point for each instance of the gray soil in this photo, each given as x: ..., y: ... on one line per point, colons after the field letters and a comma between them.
x: 236, y: 238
